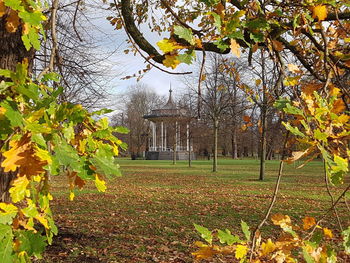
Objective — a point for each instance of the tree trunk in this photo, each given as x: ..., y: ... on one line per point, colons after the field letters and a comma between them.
x: 12, y: 51
x: 263, y: 120
x: 215, y: 154
x: 234, y: 143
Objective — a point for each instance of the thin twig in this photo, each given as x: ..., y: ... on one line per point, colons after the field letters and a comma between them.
x: 75, y: 19
x: 51, y: 65
x: 199, y: 85
x: 328, y: 211
x: 330, y: 195
x: 273, y: 198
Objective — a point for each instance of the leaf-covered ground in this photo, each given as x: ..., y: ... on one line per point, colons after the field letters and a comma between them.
x: 148, y: 214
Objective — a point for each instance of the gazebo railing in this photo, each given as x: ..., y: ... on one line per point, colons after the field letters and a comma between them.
x: 168, y: 149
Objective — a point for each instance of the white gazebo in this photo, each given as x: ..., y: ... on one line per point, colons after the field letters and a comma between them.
x: 170, y: 133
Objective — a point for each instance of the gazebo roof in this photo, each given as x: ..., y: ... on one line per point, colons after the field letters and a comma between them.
x: 167, y: 112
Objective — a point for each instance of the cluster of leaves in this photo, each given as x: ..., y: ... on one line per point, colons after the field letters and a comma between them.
x: 308, y: 241
x: 321, y: 123
x: 43, y: 138
x: 29, y: 18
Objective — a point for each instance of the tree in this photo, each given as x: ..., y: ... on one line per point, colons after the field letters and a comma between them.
x: 41, y: 137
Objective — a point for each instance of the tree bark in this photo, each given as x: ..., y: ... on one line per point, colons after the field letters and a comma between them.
x: 263, y: 120
x: 12, y: 51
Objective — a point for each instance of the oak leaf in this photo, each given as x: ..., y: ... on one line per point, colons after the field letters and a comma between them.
x: 204, y: 252
x: 308, y: 222
x: 278, y: 46
x: 171, y: 61
x: 267, y: 247
x: 279, y: 219
x: 2, y: 8
x: 327, y: 232
x: 241, y: 251
x: 12, y: 21
x: 319, y: 11
x: 168, y: 45
x: 235, y: 48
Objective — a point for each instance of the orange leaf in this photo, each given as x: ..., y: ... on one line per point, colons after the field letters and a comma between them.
x: 278, y: 46
x: 79, y: 182
x: 235, y: 48
x: 2, y: 8
x: 319, y: 11
x: 12, y: 21
x: 338, y: 106
x: 246, y: 118
x: 308, y: 222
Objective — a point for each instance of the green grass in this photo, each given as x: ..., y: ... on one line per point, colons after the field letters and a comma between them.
x: 148, y: 214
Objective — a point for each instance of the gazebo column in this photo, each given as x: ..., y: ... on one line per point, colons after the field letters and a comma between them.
x: 162, y: 136
x: 154, y: 136
x: 188, y: 137
x: 165, y: 146
x: 179, y: 137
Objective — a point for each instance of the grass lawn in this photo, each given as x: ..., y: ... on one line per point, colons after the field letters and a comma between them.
x: 148, y: 214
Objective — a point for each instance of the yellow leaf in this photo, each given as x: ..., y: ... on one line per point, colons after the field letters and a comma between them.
x: 257, y: 82
x: 279, y: 219
x: 241, y: 251
x: 294, y: 68
x: 44, y: 155
x: 100, y: 184
x: 319, y: 11
x: 327, y: 232
x: 43, y: 221
x: 205, y: 252
x: 171, y: 61
x: 12, y: 21
x: 235, y: 48
x: 19, y: 189
x: 168, y: 45
x: 115, y: 150
x: 2, y: 113
x: 343, y: 118
x: 308, y: 222
x: 267, y: 247
x: 2, y: 8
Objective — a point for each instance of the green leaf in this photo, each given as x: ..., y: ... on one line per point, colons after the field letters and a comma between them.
x: 7, y: 213
x: 51, y: 76
x: 245, y: 230
x: 205, y: 233
x: 6, y: 238
x: 258, y: 24
x: 184, y: 33
x: 32, y: 18
x: 12, y: 113
x: 121, y: 129
x: 226, y: 237
x: 308, y: 258
x: 294, y: 130
x: 105, y: 163
x: 187, y: 57
x: 102, y: 111
x: 320, y: 135
x: 33, y: 243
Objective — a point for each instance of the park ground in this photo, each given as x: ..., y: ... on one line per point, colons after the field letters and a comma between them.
x: 148, y: 214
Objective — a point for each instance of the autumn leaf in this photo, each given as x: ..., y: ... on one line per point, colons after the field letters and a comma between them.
x: 319, y: 11
x: 241, y: 251
x: 171, y: 61
x: 168, y: 45
x: 294, y: 68
x: 235, y: 48
x: 19, y: 189
x: 2, y: 8
x: 278, y: 46
x: 268, y: 247
x: 327, y: 232
x: 308, y: 222
x: 2, y: 112
x: 279, y: 219
x: 246, y: 118
x: 100, y: 184
x: 204, y: 252
x: 12, y: 21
